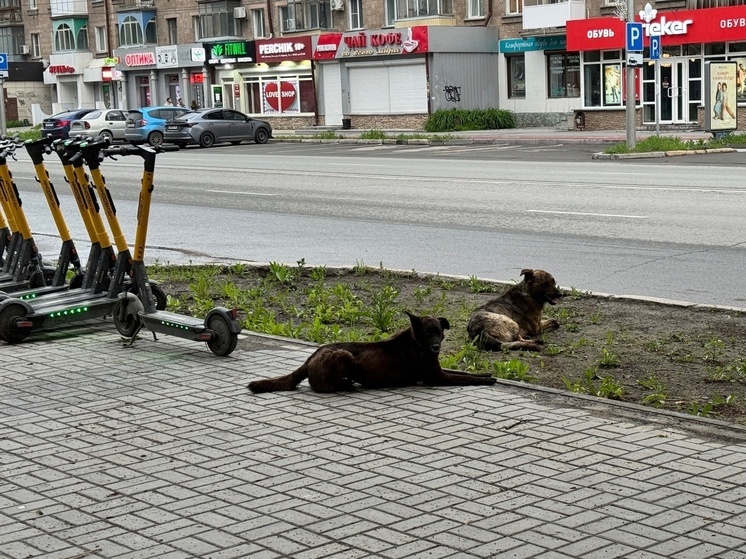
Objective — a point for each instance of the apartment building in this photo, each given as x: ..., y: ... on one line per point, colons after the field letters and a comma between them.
x: 382, y: 63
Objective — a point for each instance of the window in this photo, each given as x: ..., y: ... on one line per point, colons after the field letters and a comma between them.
x: 11, y: 38
x: 391, y: 12
x: 263, y: 99
x: 64, y: 39
x: 35, y: 46
x: 130, y: 32
x: 476, y: 8
x: 563, y: 69
x: 420, y: 8
x: 602, y: 79
x: 306, y: 14
x: 173, y: 36
x: 257, y: 21
x: 356, y: 14
x: 33, y: 5
x: 513, y: 7
x: 517, y: 76
x: 216, y: 19
x: 100, y: 33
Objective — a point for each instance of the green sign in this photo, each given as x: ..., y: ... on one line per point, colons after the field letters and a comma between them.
x: 525, y: 44
x: 229, y: 52
x: 236, y: 48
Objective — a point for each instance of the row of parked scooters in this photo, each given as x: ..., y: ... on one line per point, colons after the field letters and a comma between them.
x: 36, y: 295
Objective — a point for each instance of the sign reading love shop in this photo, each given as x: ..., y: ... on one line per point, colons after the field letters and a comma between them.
x: 281, y: 96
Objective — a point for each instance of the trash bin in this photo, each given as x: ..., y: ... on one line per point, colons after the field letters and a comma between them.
x: 579, y: 120
x: 346, y: 123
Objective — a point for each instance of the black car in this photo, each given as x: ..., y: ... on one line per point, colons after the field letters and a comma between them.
x: 58, y: 126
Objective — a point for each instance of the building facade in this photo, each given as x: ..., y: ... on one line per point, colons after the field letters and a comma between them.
x: 378, y: 63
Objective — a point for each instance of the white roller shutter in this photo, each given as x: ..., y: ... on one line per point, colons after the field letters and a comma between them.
x: 377, y: 88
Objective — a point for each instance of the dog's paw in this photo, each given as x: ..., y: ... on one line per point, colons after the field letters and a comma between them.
x: 551, y: 324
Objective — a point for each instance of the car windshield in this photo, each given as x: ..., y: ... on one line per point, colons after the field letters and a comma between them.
x: 189, y: 116
x: 134, y: 115
x: 65, y: 114
x: 91, y: 116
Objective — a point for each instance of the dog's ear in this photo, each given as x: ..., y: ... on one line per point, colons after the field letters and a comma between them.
x: 527, y: 273
x: 413, y: 318
x: 444, y: 324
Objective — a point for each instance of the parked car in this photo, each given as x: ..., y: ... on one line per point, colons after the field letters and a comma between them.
x: 58, y: 125
x: 148, y: 123
x: 107, y: 123
x: 206, y: 127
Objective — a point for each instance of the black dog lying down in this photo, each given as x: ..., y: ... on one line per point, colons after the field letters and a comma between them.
x: 407, y: 358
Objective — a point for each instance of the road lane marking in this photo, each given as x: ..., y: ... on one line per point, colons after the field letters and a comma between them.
x: 242, y: 193
x: 588, y: 214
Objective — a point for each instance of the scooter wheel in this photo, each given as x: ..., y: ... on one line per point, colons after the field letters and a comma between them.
x: 8, y: 332
x: 223, y: 341
x: 127, y: 323
x: 161, y: 299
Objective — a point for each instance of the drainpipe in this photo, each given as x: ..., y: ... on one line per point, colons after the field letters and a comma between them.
x: 488, y: 15
x: 270, y: 25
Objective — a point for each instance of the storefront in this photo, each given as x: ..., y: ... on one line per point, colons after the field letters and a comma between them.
x: 153, y: 74
x: 542, y: 79
x: 675, y: 96
x: 394, y: 78
x: 65, y: 75
x: 225, y: 62
x: 280, y: 87
x: 101, y: 74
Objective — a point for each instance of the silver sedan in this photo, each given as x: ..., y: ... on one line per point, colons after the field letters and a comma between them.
x: 206, y: 127
x: 107, y: 123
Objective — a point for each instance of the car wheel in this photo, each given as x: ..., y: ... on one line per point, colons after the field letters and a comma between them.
x: 155, y: 139
x: 106, y: 135
x: 206, y: 140
x: 261, y: 136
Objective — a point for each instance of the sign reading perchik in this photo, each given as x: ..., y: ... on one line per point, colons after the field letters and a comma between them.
x: 377, y: 42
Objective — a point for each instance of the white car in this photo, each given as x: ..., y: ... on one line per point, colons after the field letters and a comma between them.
x: 108, y: 123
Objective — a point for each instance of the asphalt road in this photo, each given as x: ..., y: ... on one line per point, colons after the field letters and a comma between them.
x: 670, y: 228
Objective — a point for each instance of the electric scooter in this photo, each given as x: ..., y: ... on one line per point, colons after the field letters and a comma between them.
x: 24, y: 265
x: 219, y: 329
x: 68, y: 253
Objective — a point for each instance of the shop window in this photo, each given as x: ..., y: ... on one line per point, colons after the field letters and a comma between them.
x: 602, y: 81
x: 257, y: 21
x: 300, y: 15
x: 476, y: 8
x: 420, y: 8
x: 216, y: 19
x: 356, y: 14
x: 564, y: 74
x: 276, y: 95
x: 513, y: 7
x: 517, y: 77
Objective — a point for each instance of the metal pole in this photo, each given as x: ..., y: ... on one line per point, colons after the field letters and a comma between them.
x: 630, y: 106
x: 657, y: 97
x: 3, y: 130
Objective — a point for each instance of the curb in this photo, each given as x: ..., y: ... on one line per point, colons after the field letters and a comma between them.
x: 654, y: 154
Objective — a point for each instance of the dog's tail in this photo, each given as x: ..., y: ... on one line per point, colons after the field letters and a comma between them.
x: 279, y: 384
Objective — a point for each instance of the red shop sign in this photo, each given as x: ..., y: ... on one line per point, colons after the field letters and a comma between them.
x: 712, y: 25
x: 61, y: 69
x: 277, y: 50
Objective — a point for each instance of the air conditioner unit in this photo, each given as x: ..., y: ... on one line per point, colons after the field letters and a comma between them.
x: 24, y: 49
x: 338, y: 5
x: 239, y: 12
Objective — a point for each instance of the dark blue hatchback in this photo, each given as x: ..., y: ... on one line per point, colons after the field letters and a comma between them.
x: 58, y: 126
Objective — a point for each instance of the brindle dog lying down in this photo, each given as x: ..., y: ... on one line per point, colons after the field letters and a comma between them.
x: 513, y: 320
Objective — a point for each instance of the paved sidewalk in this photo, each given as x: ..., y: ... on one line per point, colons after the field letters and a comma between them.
x: 159, y: 451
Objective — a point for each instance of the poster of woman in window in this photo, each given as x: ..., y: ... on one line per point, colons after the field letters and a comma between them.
x: 613, y: 84
x: 720, y: 96
x: 740, y: 79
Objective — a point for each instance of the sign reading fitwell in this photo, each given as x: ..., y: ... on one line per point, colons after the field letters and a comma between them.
x: 230, y: 52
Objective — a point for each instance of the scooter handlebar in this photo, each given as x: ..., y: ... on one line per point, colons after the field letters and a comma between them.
x: 137, y: 150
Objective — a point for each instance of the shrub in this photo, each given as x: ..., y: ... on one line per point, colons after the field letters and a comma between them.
x: 447, y: 120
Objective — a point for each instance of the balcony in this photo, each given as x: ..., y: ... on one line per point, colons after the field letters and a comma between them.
x: 133, y: 4
x: 10, y: 16
x: 67, y: 8
x: 540, y: 14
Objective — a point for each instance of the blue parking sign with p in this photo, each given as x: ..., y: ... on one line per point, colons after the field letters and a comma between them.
x: 655, y: 47
x: 3, y: 62
x: 634, y: 37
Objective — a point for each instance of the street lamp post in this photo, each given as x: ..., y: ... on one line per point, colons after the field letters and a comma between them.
x: 630, y: 104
